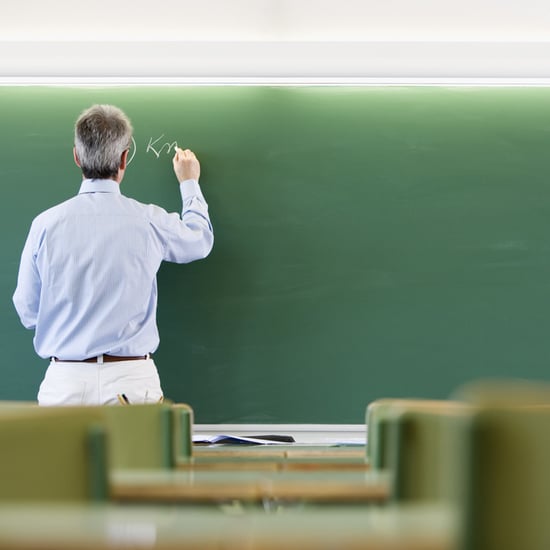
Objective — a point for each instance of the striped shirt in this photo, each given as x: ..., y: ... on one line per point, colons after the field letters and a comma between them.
x: 87, y: 279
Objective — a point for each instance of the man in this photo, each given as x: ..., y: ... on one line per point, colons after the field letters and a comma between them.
x: 87, y: 280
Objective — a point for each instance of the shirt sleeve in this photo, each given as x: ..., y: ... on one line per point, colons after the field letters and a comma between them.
x: 190, y: 237
x: 27, y: 293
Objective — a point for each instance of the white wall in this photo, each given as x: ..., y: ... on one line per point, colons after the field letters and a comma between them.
x: 270, y: 20
x: 276, y: 38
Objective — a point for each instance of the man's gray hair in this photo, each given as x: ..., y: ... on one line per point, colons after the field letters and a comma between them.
x: 102, y: 134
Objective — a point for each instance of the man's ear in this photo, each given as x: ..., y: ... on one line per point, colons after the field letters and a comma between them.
x: 124, y: 159
x: 75, y: 156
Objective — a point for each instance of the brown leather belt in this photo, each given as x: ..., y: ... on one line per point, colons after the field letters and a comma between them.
x: 106, y: 359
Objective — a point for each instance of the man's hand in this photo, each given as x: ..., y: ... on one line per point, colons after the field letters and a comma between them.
x: 186, y: 165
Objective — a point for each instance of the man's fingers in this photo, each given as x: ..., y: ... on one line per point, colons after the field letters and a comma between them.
x: 186, y: 164
x: 184, y: 153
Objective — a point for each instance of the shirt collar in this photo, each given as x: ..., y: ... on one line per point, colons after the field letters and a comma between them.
x: 99, y: 186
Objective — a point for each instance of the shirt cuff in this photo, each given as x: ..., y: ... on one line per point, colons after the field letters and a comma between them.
x: 190, y: 188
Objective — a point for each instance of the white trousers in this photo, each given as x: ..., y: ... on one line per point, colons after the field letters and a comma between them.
x: 79, y: 383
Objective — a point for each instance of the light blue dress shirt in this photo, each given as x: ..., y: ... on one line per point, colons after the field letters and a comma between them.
x: 87, y: 279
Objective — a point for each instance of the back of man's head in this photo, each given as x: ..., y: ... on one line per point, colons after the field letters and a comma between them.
x: 102, y: 134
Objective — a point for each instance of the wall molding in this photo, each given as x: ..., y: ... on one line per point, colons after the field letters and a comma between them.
x: 224, y: 62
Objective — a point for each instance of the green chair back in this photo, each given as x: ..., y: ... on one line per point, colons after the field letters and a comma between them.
x: 429, y: 453
x: 140, y: 436
x: 182, y: 434
x: 377, y: 416
x: 508, y: 499
x: 417, y: 441
x: 52, y: 455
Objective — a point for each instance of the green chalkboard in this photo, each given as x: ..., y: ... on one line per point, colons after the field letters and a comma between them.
x: 369, y: 241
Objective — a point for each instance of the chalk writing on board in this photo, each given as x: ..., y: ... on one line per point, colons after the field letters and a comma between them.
x: 157, y: 146
x: 132, y: 152
x: 154, y: 146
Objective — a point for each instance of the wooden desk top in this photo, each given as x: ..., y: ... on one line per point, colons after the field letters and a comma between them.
x: 258, y: 486
x: 278, y: 458
x: 273, y: 465
x: 80, y: 527
x: 290, y: 452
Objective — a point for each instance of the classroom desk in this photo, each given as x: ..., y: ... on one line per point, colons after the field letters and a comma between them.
x: 259, y: 486
x: 273, y: 464
x: 278, y: 458
x: 296, y: 451
x: 80, y: 527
